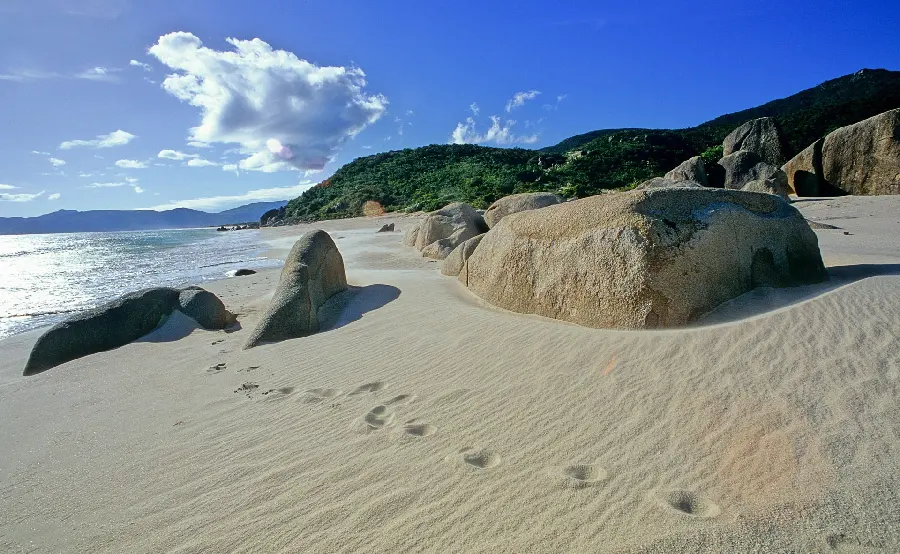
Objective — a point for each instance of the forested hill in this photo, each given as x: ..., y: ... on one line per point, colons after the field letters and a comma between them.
x: 429, y: 177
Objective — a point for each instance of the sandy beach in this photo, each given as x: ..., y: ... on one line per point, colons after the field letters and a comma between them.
x: 425, y: 420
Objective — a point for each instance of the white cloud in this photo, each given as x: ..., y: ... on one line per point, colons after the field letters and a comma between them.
x: 474, y: 108
x: 40, y: 153
x: 198, y: 144
x: 561, y: 97
x: 554, y: 107
x: 518, y: 100
x: 97, y: 74
x: 225, y: 202
x: 499, y: 133
x: 144, y: 66
x: 286, y: 112
x: 6, y: 197
x: 367, y: 147
x: 54, y: 196
x: 131, y: 164
x: 127, y: 183
x: 57, y: 162
x: 200, y: 162
x: 7, y: 187
x: 116, y: 138
x: 175, y: 155
x: 137, y: 189
x: 230, y: 167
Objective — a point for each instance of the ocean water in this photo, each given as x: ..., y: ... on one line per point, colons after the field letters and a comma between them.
x: 43, y: 278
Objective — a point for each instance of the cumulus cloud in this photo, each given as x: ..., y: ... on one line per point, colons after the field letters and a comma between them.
x: 116, y: 138
x: 285, y: 112
x: 499, y: 133
x: 131, y: 164
x: 175, y: 155
x: 518, y: 100
x: 200, y: 162
x: 225, y: 202
x: 57, y: 162
x: 144, y: 66
x: 7, y: 197
x: 54, y: 196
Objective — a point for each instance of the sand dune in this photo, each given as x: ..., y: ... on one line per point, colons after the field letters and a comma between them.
x: 425, y: 420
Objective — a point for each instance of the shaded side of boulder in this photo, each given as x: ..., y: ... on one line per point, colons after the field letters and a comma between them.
x: 804, y: 171
x: 864, y: 158
x: 411, y: 234
x: 452, y: 225
x: 768, y: 186
x: 760, y: 136
x: 519, y: 203
x: 643, y: 259
x: 667, y: 182
x: 109, y: 326
x: 692, y: 170
x: 313, y: 272
x: 386, y: 228
x: 205, y: 308
x: 456, y: 260
x: 743, y: 167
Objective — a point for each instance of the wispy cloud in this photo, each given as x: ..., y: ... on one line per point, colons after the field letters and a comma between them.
x: 116, y: 138
x: 518, y: 100
x: 225, y: 202
x: 175, y: 155
x: 98, y: 73
x: 554, y: 107
x: 54, y: 196
x: 200, y: 162
x: 57, y: 162
x: 473, y: 107
x: 131, y: 164
x: 7, y: 187
x: 500, y: 133
x: 144, y: 66
x: 117, y: 184
x: 7, y: 197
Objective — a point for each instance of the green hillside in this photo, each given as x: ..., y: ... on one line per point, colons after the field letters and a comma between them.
x: 429, y: 177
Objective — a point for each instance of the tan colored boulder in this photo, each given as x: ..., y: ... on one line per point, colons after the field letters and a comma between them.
x: 692, y: 170
x: 864, y: 158
x: 313, y: 272
x: 456, y: 260
x: 760, y: 136
x: 743, y: 167
x: 804, y: 171
x: 666, y: 182
x: 519, y: 203
x: 643, y: 259
x: 448, y: 227
x: 411, y: 234
x: 768, y: 186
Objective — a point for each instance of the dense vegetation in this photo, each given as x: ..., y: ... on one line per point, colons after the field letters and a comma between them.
x: 432, y: 176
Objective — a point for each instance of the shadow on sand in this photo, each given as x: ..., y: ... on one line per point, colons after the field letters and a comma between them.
x: 763, y: 300
x: 349, y: 306
x: 179, y: 326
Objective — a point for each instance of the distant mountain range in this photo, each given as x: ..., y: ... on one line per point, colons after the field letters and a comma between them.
x: 71, y: 221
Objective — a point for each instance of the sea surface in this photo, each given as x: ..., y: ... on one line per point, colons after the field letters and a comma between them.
x: 44, y: 278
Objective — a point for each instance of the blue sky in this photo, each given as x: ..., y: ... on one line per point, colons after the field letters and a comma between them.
x: 120, y: 104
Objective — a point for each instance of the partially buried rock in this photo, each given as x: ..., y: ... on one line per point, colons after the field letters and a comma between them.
x: 667, y: 182
x: 122, y: 321
x: 643, y: 259
x: 244, y: 272
x: 443, y: 230
x: 519, y: 203
x: 411, y: 234
x: 760, y: 136
x: 386, y: 228
x: 778, y: 187
x: 313, y: 272
x: 205, y: 308
x: 456, y: 261
x: 692, y: 170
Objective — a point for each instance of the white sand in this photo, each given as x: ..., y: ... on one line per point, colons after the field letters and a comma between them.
x: 428, y: 421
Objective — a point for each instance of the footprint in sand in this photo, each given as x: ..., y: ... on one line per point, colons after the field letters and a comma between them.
x: 283, y: 390
x: 369, y: 387
x: 216, y: 368
x: 379, y: 417
x: 314, y: 396
x: 419, y: 429
x: 581, y: 476
x: 689, y: 503
x: 481, y: 459
x: 400, y: 400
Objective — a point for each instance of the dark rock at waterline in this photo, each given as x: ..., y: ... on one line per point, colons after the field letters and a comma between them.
x: 244, y: 272
x: 120, y: 322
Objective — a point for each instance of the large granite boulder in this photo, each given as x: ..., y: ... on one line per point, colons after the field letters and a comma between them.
x: 760, y: 136
x: 692, y: 170
x: 742, y: 167
x: 313, y: 272
x: 804, y: 171
x: 768, y: 186
x: 667, y: 182
x: 443, y: 230
x: 205, y: 308
x: 864, y: 158
x: 519, y: 203
x: 411, y: 234
x: 122, y: 321
x: 643, y: 259
x: 455, y: 262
